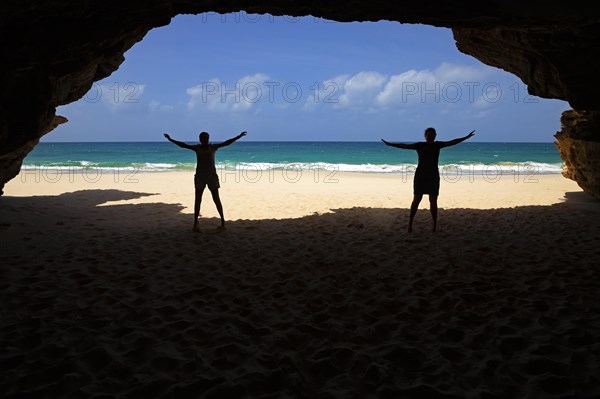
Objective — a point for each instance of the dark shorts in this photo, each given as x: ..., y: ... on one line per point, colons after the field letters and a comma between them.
x: 426, y: 182
x: 201, y: 181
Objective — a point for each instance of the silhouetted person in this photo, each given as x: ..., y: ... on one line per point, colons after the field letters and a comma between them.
x: 427, y: 175
x: 206, y: 171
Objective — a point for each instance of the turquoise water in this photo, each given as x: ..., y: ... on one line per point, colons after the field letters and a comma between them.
x: 372, y: 157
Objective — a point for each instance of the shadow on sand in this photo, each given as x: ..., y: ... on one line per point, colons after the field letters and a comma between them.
x: 123, y: 300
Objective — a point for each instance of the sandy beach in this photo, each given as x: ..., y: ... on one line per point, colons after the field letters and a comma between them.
x: 313, y: 290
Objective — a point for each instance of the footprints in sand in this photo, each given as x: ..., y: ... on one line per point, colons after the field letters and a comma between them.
x: 338, y: 305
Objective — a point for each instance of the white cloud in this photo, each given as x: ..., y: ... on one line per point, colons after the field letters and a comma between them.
x: 360, y: 90
x: 156, y: 106
x: 216, y: 95
x: 449, y: 83
x: 404, y: 87
x: 491, y: 95
x: 447, y: 72
x: 327, y: 93
x: 345, y: 91
x: 370, y: 91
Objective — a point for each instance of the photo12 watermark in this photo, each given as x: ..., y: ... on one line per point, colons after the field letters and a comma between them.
x: 291, y: 173
x: 33, y: 173
x: 331, y: 92
x: 116, y: 93
x: 247, y: 92
x: 288, y: 173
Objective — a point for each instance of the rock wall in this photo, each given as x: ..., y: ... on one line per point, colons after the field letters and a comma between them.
x: 579, y: 147
x: 53, y: 51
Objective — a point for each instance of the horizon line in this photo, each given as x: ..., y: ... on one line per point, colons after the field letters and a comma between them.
x: 296, y: 141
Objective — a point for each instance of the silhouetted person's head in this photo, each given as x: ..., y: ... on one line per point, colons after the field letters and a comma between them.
x: 204, y: 138
x: 430, y: 134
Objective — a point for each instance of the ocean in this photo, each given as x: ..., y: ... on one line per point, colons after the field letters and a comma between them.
x: 370, y: 157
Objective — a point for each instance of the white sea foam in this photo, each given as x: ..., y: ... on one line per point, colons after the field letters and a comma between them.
x: 475, y: 168
x: 505, y: 168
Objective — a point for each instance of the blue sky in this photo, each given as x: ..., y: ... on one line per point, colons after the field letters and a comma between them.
x: 285, y: 78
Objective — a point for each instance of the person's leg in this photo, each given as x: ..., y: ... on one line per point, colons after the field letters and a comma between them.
x: 413, y: 210
x: 433, y: 207
x: 197, y: 202
x: 217, y: 200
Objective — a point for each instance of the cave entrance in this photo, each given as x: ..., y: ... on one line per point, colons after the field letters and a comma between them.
x: 290, y: 79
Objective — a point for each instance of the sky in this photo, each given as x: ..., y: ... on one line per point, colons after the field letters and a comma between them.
x: 304, y: 79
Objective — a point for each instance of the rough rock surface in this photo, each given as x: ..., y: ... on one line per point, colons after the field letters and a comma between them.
x: 54, y: 50
x: 579, y: 146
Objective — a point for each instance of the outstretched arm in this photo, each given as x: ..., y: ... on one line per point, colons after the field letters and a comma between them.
x: 456, y: 141
x: 179, y: 143
x: 230, y: 141
x: 400, y: 145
